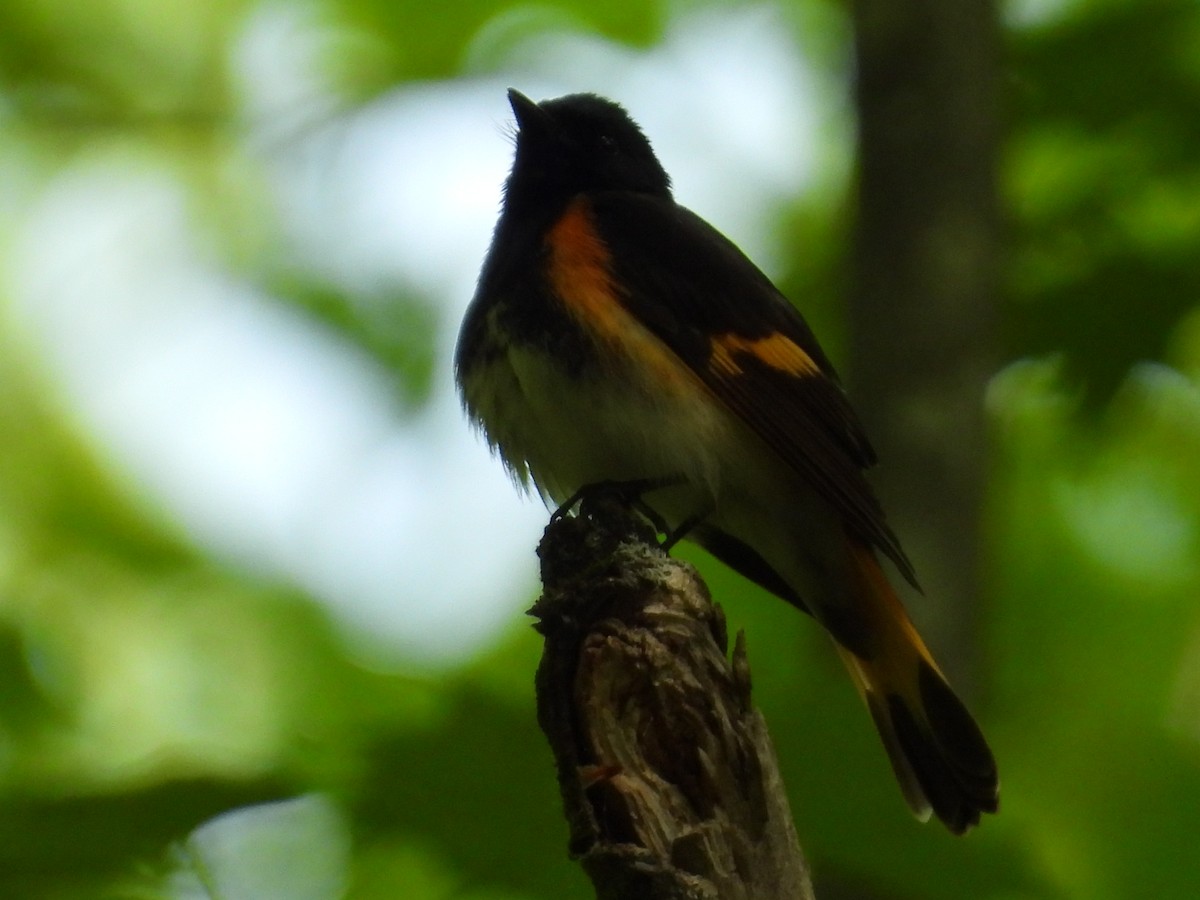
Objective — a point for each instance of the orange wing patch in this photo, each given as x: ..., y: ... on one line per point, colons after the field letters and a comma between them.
x: 777, y: 351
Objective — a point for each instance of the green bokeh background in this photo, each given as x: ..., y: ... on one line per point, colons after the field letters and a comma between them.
x: 439, y: 787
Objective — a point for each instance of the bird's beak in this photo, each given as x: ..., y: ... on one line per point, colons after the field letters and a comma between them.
x: 528, y: 113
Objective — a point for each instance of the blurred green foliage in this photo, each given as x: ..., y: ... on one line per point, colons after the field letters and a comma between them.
x: 146, y: 689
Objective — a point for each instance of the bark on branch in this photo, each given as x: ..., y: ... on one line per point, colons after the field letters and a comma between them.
x: 669, y: 781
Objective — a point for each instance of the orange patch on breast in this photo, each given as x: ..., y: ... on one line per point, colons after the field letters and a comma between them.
x: 580, y: 275
x: 777, y: 351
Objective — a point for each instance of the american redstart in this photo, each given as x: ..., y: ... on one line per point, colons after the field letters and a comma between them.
x: 617, y: 338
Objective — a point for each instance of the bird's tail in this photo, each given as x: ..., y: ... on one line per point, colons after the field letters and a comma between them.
x: 938, y: 753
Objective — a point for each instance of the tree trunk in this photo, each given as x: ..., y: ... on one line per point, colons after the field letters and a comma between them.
x: 924, y: 286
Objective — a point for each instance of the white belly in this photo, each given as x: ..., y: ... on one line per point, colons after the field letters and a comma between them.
x: 570, y: 432
x: 564, y: 433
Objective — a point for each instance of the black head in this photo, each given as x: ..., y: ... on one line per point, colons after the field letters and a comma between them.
x: 578, y: 143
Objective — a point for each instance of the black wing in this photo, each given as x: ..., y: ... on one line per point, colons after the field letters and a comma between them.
x: 725, y: 319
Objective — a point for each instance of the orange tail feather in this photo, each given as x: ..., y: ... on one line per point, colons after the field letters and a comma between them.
x: 938, y: 753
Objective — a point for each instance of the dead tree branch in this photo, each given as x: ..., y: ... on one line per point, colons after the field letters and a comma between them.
x: 669, y: 781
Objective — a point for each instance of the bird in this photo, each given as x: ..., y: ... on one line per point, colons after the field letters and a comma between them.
x: 616, y: 338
